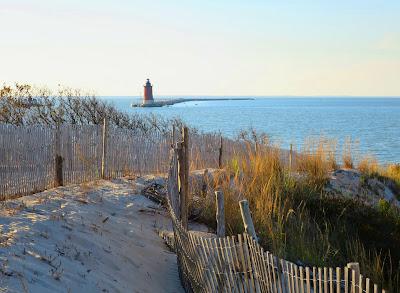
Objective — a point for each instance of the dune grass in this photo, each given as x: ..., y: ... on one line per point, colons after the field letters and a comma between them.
x: 296, y: 220
x: 390, y: 174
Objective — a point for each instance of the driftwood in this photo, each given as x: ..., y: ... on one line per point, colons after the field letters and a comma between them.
x: 155, y: 192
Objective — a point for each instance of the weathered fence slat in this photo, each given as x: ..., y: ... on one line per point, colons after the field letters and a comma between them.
x: 308, y: 284
x: 220, y: 213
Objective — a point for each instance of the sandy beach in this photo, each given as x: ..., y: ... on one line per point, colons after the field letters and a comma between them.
x: 96, y: 237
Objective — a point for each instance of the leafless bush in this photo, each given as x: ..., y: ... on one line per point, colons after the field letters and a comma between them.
x: 24, y: 104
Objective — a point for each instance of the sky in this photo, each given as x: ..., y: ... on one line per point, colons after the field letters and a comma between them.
x: 204, y: 47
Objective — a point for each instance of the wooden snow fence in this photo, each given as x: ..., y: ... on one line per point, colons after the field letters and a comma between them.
x: 34, y: 158
x: 37, y: 157
x: 239, y: 263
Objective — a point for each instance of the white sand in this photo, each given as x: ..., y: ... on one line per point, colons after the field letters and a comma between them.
x: 97, y: 237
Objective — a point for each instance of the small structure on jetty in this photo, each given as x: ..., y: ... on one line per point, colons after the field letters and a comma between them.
x: 148, y: 100
x: 148, y: 93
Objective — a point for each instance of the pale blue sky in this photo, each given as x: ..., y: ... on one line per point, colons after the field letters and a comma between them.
x: 204, y: 47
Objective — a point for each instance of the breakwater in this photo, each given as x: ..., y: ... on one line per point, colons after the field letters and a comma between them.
x: 170, y: 102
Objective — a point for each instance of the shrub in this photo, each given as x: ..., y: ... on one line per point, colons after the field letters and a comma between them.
x: 25, y: 104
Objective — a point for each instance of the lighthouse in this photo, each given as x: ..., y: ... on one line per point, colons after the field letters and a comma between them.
x: 148, y: 93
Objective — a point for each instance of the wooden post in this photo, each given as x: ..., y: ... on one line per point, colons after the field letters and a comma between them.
x: 354, y: 267
x: 220, y: 153
x: 173, y: 136
x: 59, y: 181
x: 220, y: 214
x: 104, y: 150
x: 179, y: 154
x: 204, y: 186
x: 247, y: 220
x: 176, y: 201
x: 290, y: 158
x: 183, y: 159
x: 185, y: 135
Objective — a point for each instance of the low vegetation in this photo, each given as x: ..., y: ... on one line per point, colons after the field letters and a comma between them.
x: 296, y: 219
x: 23, y: 104
x: 390, y: 174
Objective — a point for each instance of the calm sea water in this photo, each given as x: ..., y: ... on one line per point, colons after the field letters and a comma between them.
x: 374, y: 122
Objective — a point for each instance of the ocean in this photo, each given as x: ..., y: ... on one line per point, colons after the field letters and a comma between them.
x: 373, y: 123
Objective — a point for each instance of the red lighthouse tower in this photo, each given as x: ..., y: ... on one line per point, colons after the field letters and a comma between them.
x: 148, y: 93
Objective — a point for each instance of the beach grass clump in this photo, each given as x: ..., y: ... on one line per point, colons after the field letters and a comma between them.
x: 348, y: 153
x: 389, y: 174
x: 392, y: 172
x: 369, y: 166
x: 280, y: 215
x: 376, y: 264
x: 294, y: 217
x: 317, y: 158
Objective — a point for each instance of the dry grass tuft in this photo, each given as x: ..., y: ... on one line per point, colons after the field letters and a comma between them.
x: 393, y: 172
x: 347, y: 153
x: 318, y: 157
x: 390, y: 174
x: 369, y: 166
x: 293, y: 217
x: 376, y: 265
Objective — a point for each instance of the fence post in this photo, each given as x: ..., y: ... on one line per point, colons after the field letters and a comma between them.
x: 179, y: 155
x: 173, y: 136
x: 204, y: 185
x: 220, y: 214
x: 354, y: 267
x: 176, y: 201
x: 290, y: 158
x: 59, y: 181
x: 183, y: 159
x: 220, y: 154
x: 104, y: 149
x: 247, y: 220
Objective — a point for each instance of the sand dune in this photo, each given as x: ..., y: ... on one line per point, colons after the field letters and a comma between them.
x: 95, y: 237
